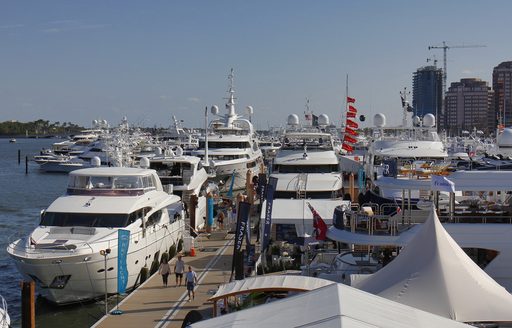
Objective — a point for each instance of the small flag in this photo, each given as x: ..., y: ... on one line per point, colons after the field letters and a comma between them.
x: 348, y: 138
x: 352, y: 109
x: 320, y: 228
x: 351, y: 132
x: 441, y: 183
x: 352, y: 124
x: 351, y: 100
x: 351, y: 115
x: 347, y: 147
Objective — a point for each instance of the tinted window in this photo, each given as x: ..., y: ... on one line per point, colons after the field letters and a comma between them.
x: 99, y: 220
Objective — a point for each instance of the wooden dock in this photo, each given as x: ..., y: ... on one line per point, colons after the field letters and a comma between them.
x: 152, y: 305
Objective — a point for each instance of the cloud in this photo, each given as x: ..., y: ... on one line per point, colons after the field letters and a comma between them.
x: 69, y: 25
x: 53, y: 30
x: 467, y: 72
x: 194, y: 99
x: 11, y: 26
x: 94, y: 26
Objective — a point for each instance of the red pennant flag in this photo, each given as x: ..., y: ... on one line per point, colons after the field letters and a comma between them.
x: 348, y: 138
x: 351, y: 115
x: 351, y: 100
x: 352, y: 109
x: 351, y: 132
x: 319, y: 225
x: 352, y: 124
x: 347, y: 147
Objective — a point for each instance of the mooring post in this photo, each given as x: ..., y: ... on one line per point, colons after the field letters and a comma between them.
x: 28, y: 308
x: 26, y: 164
x: 19, y: 156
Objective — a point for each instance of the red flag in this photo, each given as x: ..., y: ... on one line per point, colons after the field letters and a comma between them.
x: 351, y: 115
x: 351, y: 132
x: 348, y: 138
x: 318, y: 224
x: 352, y: 124
x: 351, y: 100
x: 352, y: 109
x: 347, y: 147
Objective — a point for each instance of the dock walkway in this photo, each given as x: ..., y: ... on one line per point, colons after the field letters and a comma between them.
x: 152, y: 305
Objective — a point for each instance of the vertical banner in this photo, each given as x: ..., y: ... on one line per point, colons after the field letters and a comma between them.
x: 209, y: 211
x: 361, y: 178
x: 390, y: 168
x: 241, y: 225
x: 123, y: 241
x: 271, y: 187
x: 231, y: 183
x: 262, y: 178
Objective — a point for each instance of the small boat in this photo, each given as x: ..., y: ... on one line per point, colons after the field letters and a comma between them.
x: 13, y: 140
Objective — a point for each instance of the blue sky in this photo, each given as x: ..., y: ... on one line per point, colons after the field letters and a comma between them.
x: 83, y: 60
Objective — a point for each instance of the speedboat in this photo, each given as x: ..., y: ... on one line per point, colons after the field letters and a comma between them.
x: 230, y: 146
x: 72, y: 254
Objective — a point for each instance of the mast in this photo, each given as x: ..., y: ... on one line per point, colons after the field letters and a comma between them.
x: 230, y: 105
x: 206, y: 161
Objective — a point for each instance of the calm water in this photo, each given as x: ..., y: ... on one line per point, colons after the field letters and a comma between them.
x: 22, y: 197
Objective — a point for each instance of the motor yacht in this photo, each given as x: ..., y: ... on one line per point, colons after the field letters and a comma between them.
x: 72, y: 254
x: 230, y: 146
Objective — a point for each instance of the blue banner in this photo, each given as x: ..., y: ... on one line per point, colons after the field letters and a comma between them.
x: 361, y: 178
x: 390, y: 168
x: 123, y: 241
x: 244, y: 209
x: 209, y: 209
x: 271, y: 187
x: 232, y: 182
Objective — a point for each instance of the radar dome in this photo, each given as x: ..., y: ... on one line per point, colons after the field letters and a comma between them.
x: 416, y: 121
x: 250, y: 110
x: 379, y: 120
x: 505, y: 138
x: 95, y: 161
x: 293, y: 119
x: 94, y: 122
x: 429, y: 120
x: 144, y: 163
x: 323, y: 119
x: 215, y: 109
x: 158, y: 151
x: 179, y: 151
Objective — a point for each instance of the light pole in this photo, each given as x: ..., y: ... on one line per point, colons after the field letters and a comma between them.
x: 105, y: 253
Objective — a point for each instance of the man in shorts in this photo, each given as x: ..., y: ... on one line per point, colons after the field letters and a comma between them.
x: 179, y: 268
x: 191, y: 281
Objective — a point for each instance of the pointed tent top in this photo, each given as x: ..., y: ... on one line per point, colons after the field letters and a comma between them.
x: 434, y: 274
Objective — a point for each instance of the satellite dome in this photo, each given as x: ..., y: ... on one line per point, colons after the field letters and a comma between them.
x: 505, y: 138
x: 293, y: 119
x: 158, y: 151
x: 323, y: 119
x: 95, y: 161
x: 215, y: 110
x: 250, y: 110
x: 144, y: 163
x: 416, y: 121
x: 429, y: 120
x: 379, y: 120
x: 179, y: 151
x: 94, y: 122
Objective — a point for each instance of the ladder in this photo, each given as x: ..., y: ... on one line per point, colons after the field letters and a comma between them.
x: 300, y: 187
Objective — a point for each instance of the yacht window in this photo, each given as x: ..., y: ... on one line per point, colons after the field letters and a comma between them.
x: 154, y: 218
x: 306, y: 168
x: 174, y: 212
x: 99, y: 220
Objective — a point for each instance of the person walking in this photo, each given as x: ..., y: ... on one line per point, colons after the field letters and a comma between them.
x: 179, y: 269
x: 164, y: 270
x: 191, y: 281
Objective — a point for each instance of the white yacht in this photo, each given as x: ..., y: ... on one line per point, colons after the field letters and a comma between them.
x: 230, y: 146
x: 186, y: 176
x: 64, y: 254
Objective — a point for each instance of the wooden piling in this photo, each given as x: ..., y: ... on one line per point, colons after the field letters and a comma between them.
x: 19, y: 156
x: 26, y: 164
x: 28, y: 308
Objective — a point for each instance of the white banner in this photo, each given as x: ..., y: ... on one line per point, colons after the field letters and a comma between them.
x: 441, y: 183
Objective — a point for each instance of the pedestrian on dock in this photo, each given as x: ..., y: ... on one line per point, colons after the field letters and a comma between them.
x: 164, y: 270
x: 179, y: 268
x: 191, y: 281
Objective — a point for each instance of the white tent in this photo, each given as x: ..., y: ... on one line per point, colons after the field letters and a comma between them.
x: 335, y: 305
x: 434, y: 274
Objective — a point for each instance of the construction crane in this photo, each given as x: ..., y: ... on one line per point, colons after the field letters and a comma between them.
x: 445, y: 47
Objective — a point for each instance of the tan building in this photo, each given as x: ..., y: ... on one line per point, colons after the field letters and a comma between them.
x: 502, y: 86
x: 469, y: 105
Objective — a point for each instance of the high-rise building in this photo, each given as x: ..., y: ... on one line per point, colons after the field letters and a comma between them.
x: 469, y: 105
x: 427, y: 91
x: 502, y: 86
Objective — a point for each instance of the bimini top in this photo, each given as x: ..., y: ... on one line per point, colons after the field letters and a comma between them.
x: 269, y: 283
x: 113, y: 181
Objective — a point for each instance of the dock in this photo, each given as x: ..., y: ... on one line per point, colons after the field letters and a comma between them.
x: 153, y: 305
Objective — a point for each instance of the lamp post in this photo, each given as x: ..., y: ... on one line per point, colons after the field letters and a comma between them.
x: 104, y: 253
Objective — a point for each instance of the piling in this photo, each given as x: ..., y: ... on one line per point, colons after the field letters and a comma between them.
x: 26, y: 164
x: 28, y: 308
x: 19, y: 156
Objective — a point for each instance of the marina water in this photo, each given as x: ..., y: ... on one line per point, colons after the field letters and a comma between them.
x: 22, y: 197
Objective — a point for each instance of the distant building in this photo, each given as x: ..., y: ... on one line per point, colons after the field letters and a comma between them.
x: 502, y: 86
x: 427, y: 91
x: 469, y: 105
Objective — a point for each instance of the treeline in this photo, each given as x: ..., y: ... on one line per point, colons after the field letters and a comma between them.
x: 38, y: 128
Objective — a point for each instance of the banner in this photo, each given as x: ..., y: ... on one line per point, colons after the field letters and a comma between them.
x: 348, y: 138
x: 351, y: 100
x: 209, y: 211
x: 352, y: 124
x: 361, y: 179
x: 123, y: 241
x: 347, y: 147
x: 319, y: 226
x: 390, y: 168
x: 351, y: 115
x: 244, y: 209
x: 271, y: 187
x: 441, y: 183
x: 232, y: 182
x: 352, y: 109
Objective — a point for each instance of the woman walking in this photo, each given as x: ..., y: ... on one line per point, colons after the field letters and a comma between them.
x: 164, y: 270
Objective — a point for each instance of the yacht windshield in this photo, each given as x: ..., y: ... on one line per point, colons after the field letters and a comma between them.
x: 306, y: 168
x: 99, y: 220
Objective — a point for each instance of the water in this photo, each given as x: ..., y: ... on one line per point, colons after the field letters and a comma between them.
x: 22, y: 197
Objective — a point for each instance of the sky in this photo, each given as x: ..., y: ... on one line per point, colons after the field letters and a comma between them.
x: 77, y: 61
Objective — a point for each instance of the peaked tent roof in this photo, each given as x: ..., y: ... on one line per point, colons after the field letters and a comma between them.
x: 335, y: 305
x: 434, y: 274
